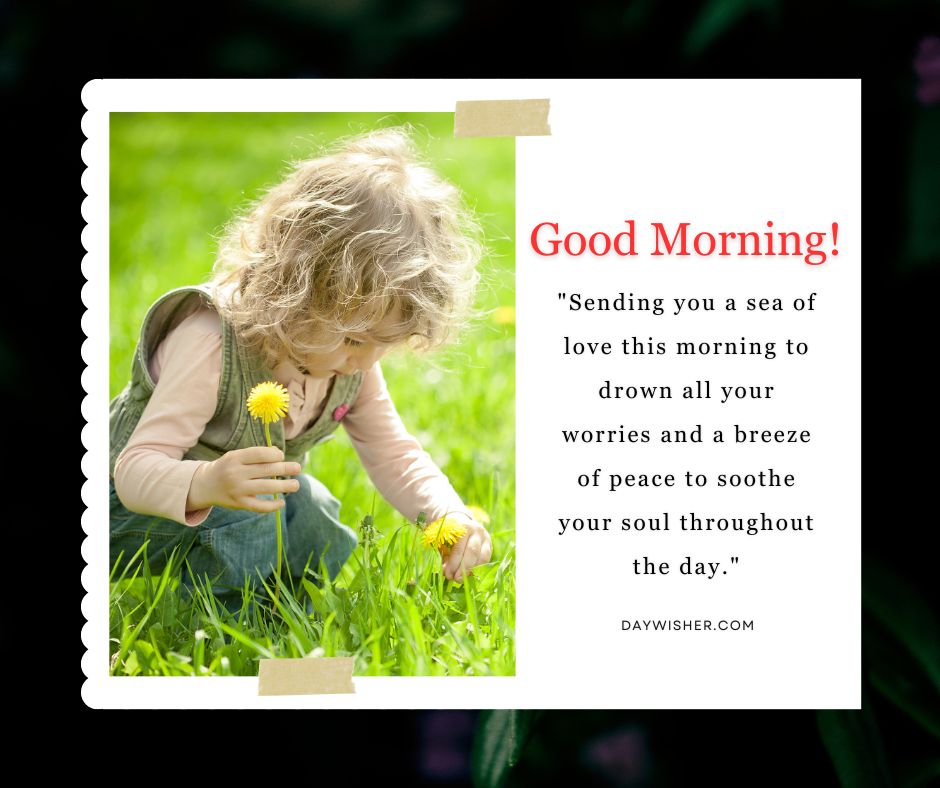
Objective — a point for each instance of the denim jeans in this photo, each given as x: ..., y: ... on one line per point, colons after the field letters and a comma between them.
x: 232, y: 545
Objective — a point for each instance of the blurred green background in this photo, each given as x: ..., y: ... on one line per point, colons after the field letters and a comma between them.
x: 177, y: 178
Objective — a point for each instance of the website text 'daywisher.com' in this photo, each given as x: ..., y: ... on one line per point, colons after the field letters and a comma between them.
x: 678, y: 625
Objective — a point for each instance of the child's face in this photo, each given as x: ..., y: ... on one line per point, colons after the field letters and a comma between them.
x: 357, y: 352
x: 354, y: 354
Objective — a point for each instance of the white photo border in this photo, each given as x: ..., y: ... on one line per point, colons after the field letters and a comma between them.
x: 567, y: 657
x: 101, y: 97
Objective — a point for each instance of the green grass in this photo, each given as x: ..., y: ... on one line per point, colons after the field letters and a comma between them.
x: 175, y: 181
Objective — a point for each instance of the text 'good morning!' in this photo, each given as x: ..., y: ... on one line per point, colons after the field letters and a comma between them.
x: 550, y: 239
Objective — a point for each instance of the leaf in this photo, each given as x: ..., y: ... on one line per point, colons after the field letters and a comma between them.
x: 902, y: 645
x: 896, y: 675
x: 854, y: 745
x: 131, y: 666
x: 923, y: 772
x: 904, y: 614
x: 316, y: 598
x: 242, y: 638
x: 718, y: 17
x: 923, y: 235
x: 500, y: 738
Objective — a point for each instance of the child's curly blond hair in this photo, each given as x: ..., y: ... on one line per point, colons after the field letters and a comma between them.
x: 339, y: 243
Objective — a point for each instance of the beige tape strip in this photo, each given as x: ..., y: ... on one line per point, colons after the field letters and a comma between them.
x: 515, y: 118
x: 310, y: 676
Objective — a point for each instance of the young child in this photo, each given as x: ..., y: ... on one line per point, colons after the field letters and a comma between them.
x: 354, y: 253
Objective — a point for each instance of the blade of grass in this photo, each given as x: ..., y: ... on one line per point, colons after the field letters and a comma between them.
x: 127, y: 644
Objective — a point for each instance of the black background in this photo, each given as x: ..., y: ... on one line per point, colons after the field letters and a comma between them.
x: 48, y: 51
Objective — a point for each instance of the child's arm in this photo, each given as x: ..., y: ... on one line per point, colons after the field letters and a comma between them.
x: 150, y: 475
x: 405, y: 474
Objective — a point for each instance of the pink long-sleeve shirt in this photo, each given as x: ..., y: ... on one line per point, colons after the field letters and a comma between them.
x: 151, y: 476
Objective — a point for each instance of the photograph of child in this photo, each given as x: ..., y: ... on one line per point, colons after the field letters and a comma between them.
x: 230, y: 522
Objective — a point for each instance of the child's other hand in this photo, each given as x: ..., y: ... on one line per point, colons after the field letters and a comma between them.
x: 237, y: 477
x: 475, y: 547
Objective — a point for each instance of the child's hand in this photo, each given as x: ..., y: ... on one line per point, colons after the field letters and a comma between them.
x: 475, y: 547
x: 238, y: 476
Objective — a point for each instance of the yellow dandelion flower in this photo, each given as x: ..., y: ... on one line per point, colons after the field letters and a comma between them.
x: 268, y: 401
x: 478, y: 514
x: 443, y: 533
x: 504, y: 315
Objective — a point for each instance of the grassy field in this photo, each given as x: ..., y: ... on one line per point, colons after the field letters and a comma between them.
x: 175, y: 181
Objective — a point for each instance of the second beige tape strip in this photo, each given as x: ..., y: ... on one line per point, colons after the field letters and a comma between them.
x: 502, y: 118
x: 307, y: 676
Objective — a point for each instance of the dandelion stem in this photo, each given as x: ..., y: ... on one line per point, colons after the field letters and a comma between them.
x: 277, y: 516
